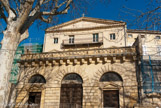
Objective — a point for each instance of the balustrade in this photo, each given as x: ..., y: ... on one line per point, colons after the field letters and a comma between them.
x: 82, y: 41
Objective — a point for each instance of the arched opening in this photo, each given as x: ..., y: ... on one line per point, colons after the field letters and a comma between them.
x: 71, y: 91
x: 111, y: 97
x: 34, y: 99
x: 37, y: 79
x: 72, y: 78
x: 110, y: 76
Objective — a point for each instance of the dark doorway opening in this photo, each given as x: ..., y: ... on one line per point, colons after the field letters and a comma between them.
x: 71, y: 92
x: 34, y: 100
x: 111, y: 98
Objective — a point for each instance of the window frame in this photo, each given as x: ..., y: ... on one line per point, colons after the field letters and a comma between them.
x: 112, y: 36
x: 144, y: 49
x: 110, y: 76
x: 142, y: 36
x: 95, y: 37
x: 130, y: 35
x: 56, y: 40
x: 37, y: 78
x: 159, y: 50
x: 157, y: 37
x: 71, y: 39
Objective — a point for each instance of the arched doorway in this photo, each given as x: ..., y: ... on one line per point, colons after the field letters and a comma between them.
x: 71, y: 91
x: 111, y: 96
x: 34, y: 99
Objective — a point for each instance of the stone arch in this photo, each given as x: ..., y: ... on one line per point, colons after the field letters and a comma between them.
x: 109, y: 68
x: 68, y: 70
x: 37, y: 78
x: 37, y: 70
x: 74, y: 77
x: 110, y: 88
x: 72, y: 87
x: 110, y: 76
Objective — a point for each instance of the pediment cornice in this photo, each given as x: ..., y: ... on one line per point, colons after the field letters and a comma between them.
x: 108, y: 23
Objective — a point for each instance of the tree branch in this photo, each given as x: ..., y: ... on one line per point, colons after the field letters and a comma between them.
x: 24, y: 15
x: 18, y: 9
x: 37, y: 8
x: 54, y: 10
x: 47, y: 20
x: 29, y: 22
x: 24, y: 36
x: 6, y: 5
x: 34, y: 14
x: 2, y: 15
x: 11, y: 13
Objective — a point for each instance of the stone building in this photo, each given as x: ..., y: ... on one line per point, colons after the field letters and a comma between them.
x: 86, y: 63
x: 149, y: 66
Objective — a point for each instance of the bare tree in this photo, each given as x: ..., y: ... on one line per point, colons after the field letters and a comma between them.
x: 147, y: 19
x: 19, y: 15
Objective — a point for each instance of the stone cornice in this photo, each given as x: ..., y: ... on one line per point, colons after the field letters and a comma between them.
x: 85, y: 29
x: 78, y: 57
x: 88, y: 19
x: 143, y: 31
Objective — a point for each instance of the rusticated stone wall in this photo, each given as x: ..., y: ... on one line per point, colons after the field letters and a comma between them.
x: 92, y: 87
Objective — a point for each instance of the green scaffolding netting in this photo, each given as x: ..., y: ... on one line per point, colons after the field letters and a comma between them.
x: 33, y: 48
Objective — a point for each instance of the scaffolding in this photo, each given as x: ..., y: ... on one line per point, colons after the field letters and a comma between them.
x: 31, y: 45
x: 151, y: 74
x: 32, y: 48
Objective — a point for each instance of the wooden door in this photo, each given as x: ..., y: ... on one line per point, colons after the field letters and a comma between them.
x: 71, y: 96
x: 111, y: 98
x: 34, y: 100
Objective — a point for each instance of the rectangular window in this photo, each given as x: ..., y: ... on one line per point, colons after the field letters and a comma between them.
x: 157, y: 37
x: 71, y: 39
x: 34, y: 99
x: 110, y: 99
x: 142, y: 36
x: 112, y: 36
x: 95, y: 37
x: 144, y: 49
x: 130, y: 35
x: 55, y: 40
x: 159, y: 50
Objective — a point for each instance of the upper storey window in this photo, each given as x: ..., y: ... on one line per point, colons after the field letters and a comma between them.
x: 95, y: 37
x: 157, y: 37
x: 112, y: 36
x: 130, y: 35
x: 55, y: 40
x: 71, y: 39
x: 142, y: 36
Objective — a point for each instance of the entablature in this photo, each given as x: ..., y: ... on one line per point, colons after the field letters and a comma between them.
x: 78, y: 57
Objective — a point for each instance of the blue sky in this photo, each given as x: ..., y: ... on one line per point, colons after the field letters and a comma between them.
x: 113, y: 11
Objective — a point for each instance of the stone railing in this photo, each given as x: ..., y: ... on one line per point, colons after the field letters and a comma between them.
x: 81, y: 53
x: 83, y: 41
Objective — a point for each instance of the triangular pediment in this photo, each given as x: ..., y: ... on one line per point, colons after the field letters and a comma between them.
x: 85, y: 22
x: 111, y: 85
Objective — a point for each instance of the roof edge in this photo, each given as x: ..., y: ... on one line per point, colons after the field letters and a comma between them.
x: 84, y: 19
x: 143, y: 31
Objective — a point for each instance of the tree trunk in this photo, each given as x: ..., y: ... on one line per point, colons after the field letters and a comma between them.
x: 9, y: 46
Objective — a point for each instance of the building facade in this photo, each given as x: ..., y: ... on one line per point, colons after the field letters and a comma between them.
x: 86, y: 63
x: 149, y: 66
